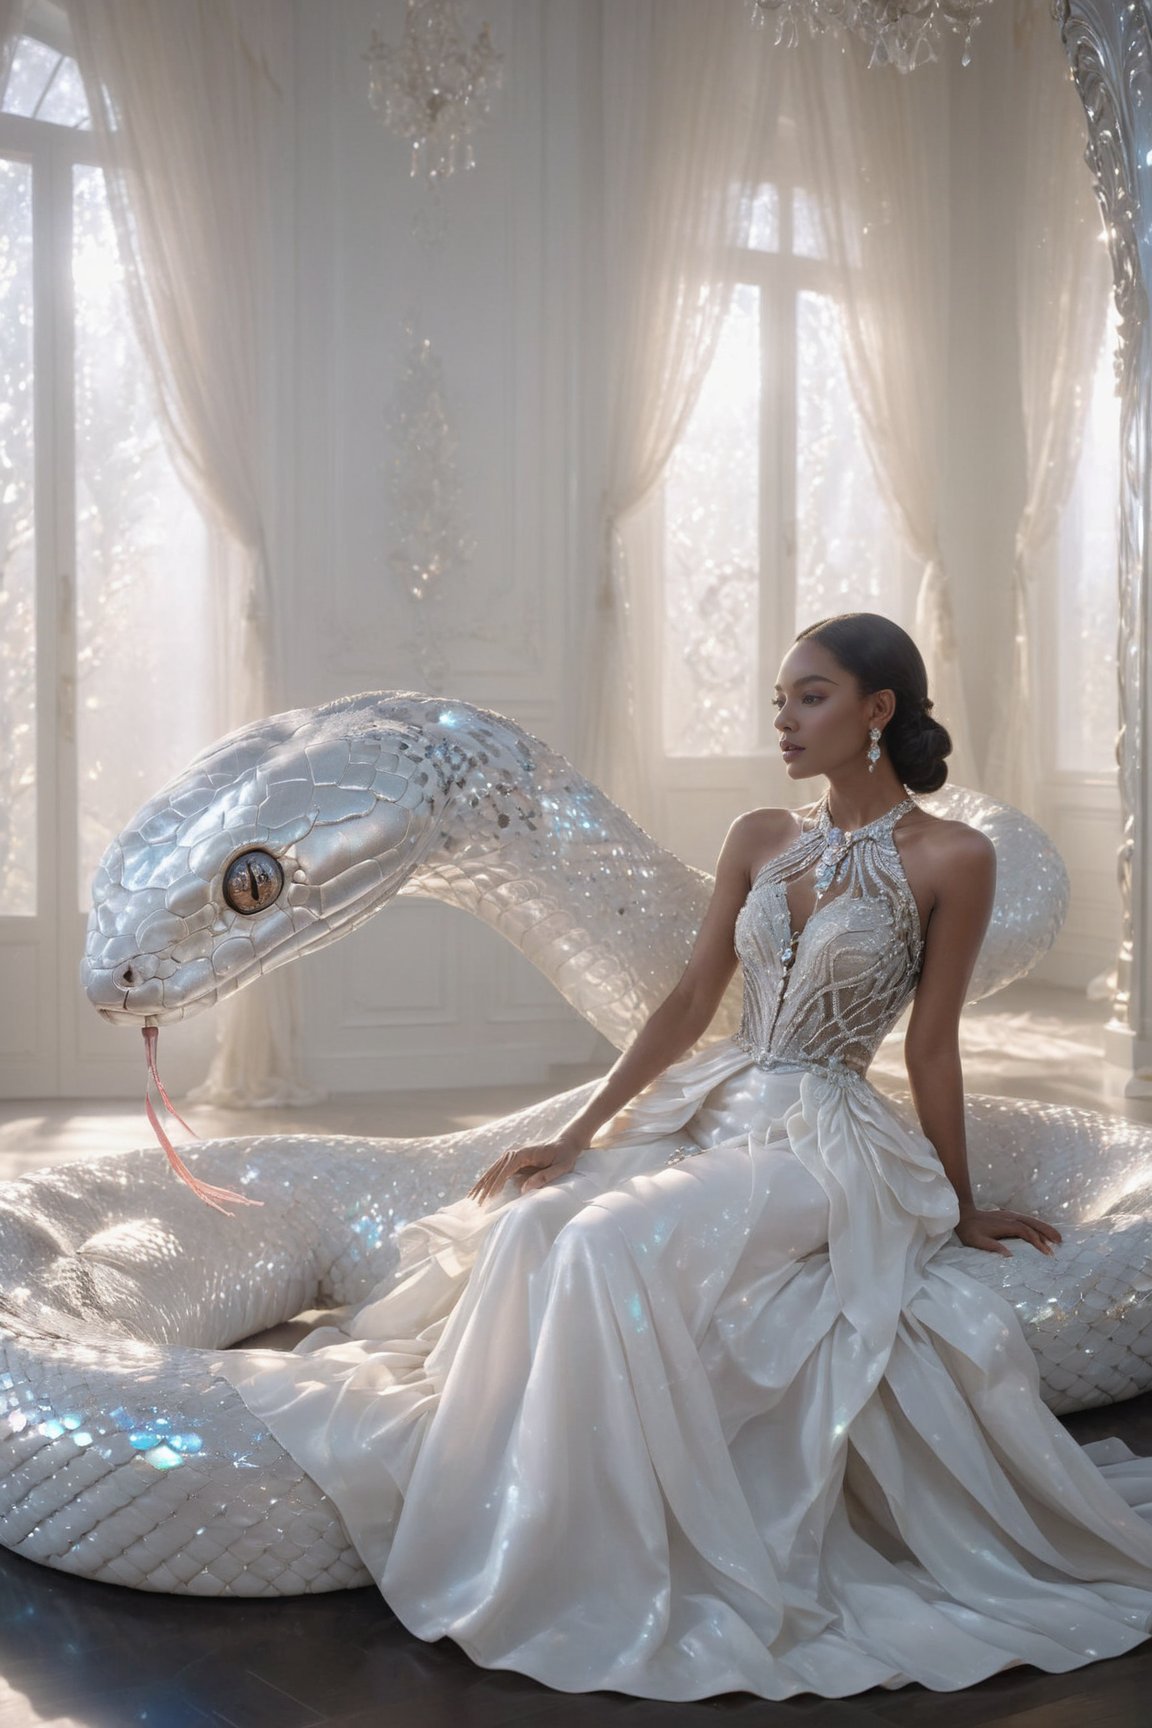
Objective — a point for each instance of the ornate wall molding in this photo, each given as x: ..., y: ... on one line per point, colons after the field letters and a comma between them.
x: 1110, y: 50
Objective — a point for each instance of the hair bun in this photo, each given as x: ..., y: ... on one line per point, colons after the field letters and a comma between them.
x: 917, y: 747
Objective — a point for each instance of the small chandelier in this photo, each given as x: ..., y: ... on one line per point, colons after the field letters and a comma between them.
x: 900, y: 33
x: 434, y: 89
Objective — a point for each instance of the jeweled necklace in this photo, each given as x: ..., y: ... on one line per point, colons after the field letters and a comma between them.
x: 837, y: 845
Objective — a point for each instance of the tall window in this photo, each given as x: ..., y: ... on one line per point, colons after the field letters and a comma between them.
x: 772, y: 514
x: 17, y: 545
x: 98, y: 536
x: 106, y: 669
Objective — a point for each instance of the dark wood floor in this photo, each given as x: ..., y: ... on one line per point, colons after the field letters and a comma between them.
x: 97, y: 1655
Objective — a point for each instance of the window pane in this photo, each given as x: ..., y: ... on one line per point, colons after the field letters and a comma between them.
x: 43, y: 84
x: 847, y: 556
x: 712, y: 552
x: 65, y: 103
x: 32, y: 66
x: 145, y: 694
x: 17, y: 549
x: 764, y: 219
x: 1087, y: 706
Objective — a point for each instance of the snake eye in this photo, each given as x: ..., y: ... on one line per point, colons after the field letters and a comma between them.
x: 252, y: 881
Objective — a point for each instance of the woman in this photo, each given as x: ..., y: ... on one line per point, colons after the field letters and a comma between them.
x: 673, y: 1410
x: 950, y: 868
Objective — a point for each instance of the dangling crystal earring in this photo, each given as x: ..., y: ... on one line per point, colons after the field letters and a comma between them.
x: 874, y: 750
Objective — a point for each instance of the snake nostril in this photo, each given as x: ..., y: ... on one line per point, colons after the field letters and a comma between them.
x: 126, y: 976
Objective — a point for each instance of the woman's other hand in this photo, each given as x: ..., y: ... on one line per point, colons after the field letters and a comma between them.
x: 978, y: 1229
x: 537, y: 1164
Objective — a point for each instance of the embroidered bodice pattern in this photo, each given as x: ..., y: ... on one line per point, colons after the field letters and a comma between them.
x: 827, y: 999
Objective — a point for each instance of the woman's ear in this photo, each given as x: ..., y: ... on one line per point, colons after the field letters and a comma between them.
x: 885, y: 707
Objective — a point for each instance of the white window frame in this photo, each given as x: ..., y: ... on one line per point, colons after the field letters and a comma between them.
x: 697, y: 795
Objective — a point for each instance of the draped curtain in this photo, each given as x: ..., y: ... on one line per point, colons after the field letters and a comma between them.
x: 690, y: 96
x: 686, y: 108
x: 875, y: 144
x: 10, y: 15
x: 182, y: 106
x: 1063, y: 279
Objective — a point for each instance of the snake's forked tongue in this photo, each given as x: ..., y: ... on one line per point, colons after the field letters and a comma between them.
x: 212, y: 1196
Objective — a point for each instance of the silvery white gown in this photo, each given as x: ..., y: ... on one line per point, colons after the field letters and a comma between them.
x: 710, y: 1413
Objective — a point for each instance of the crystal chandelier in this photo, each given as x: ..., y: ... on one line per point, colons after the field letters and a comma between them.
x: 434, y: 89
x: 898, y: 32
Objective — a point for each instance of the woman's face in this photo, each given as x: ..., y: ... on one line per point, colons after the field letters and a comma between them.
x: 820, y: 711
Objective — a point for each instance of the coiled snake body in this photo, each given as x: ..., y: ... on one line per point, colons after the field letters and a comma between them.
x: 124, y: 1455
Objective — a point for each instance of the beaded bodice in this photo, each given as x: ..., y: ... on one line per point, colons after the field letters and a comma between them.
x: 827, y: 997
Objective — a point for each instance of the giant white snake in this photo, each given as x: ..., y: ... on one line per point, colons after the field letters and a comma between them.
x: 124, y: 1456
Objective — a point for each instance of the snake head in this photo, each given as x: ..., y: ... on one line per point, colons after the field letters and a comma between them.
x: 275, y: 841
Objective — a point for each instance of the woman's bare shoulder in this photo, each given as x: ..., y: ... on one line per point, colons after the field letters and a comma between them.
x: 768, y: 831
x: 953, y: 845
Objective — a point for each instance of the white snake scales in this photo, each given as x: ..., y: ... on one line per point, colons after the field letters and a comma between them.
x: 124, y: 1455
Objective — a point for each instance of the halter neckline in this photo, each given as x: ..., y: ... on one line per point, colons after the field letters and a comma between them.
x: 826, y: 825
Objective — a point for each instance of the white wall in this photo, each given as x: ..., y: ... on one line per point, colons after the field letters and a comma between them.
x: 423, y: 992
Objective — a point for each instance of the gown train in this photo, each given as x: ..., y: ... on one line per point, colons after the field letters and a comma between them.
x: 719, y: 1410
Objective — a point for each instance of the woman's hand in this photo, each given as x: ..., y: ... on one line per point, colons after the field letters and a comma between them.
x: 978, y: 1229
x: 537, y: 1164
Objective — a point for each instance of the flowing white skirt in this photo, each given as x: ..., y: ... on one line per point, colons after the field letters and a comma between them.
x: 729, y: 1424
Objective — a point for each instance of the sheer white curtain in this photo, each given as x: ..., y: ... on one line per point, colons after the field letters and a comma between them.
x: 182, y: 105
x: 1063, y: 279
x: 687, y: 104
x: 875, y: 142
x: 11, y: 12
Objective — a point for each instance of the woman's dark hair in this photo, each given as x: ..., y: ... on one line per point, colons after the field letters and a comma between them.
x: 881, y: 656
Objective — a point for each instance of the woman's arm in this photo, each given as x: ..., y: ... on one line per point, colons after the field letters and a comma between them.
x: 965, y: 879
x: 670, y: 1031
x: 965, y: 885
x: 687, y: 1012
